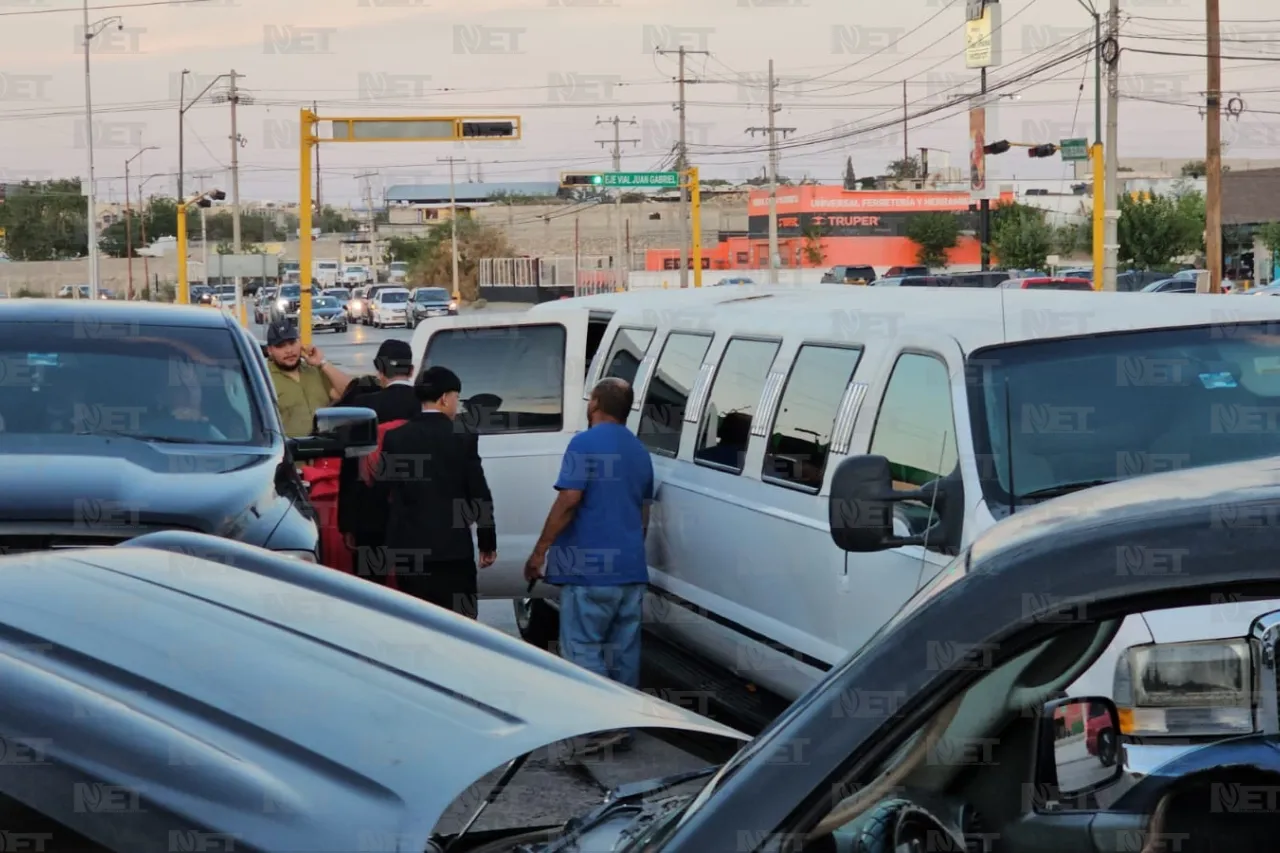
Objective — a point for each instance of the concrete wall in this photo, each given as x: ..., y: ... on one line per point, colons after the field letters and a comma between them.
x: 45, y: 277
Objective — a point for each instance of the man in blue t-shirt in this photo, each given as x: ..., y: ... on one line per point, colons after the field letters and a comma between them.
x: 592, y: 544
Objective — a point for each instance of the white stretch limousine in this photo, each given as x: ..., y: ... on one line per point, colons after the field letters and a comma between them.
x: 978, y: 402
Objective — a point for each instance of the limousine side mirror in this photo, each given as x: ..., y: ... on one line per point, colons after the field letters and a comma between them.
x: 860, y: 508
x: 338, y: 433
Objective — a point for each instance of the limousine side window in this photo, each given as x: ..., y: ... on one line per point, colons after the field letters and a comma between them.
x: 726, y: 424
x: 512, y: 377
x: 801, y: 437
x: 662, y: 416
x: 915, y: 429
x: 629, y: 347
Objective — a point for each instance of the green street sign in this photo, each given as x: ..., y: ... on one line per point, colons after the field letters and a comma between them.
x: 642, y: 179
x: 1074, y: 149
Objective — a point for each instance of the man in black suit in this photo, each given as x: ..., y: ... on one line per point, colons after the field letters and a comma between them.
x: 361, y: 517
x: 435, y: 486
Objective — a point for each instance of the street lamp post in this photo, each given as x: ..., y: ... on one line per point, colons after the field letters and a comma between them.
x: 183, y: 106
x: 128, y: 214
x: 142, y: 223
x: 90, y: 31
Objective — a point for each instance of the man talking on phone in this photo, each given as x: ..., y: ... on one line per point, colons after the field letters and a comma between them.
x: 305, y: 381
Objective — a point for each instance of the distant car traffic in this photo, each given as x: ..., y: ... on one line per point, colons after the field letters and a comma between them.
x: 389, y: 307
x: 328, y: 314
x: 850, y: 275
x: 427, y: 302
x: 734, y: 280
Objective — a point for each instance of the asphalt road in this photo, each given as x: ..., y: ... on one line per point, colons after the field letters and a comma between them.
x: 554, y: 785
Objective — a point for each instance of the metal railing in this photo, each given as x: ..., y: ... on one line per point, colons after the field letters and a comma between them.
x: 586, y: 274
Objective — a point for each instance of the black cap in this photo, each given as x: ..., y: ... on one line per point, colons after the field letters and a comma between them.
x: 281, y: 332
x: 394, y: 353
x: 435, y: 382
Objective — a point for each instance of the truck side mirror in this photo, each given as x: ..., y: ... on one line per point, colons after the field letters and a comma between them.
x: 338, y: 433
x: 860, y: 507
x: 1078, y: 750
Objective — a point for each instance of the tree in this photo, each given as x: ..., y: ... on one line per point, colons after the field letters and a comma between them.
x: 1156, y: 229
x: 1194, y: 169
x: 867, y: 183
x: 1074, y: 237
x: 850, y: 179
x: 814, y: 253
x: 905, y: 169
x: 44, y: 220
x: 934, y: 233
x: 432, y: 256
x: 1020, y: 237
x: 1269, y: 235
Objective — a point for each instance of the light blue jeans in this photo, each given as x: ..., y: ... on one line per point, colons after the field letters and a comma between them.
x: 600, y: 629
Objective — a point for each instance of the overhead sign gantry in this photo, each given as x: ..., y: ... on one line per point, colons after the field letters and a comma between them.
x: 362, y: 129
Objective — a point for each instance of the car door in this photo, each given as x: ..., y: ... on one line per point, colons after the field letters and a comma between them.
x: 912, y: 415
x: 522, y: 386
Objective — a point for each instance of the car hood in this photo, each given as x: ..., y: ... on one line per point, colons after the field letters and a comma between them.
x: 109, y: 486
x: 326, y: 312
x: 240, y: 677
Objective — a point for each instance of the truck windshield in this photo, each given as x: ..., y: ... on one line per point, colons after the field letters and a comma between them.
x: 289, y: 291
x: 160, y: 383
x: 1060, y: 415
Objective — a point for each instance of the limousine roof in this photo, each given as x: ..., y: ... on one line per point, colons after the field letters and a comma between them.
x: 975, y: 318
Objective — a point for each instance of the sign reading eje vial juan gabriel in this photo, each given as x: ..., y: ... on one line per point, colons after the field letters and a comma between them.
x: 641, y: 179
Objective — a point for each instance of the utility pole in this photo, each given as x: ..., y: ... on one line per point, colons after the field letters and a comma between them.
x: 453, y: 221
x: 235, y: 97
x: 906, y: 155
x: 617, y: 196
x: 1213, y: 154
x: 1111, y: 239
x: 773, y: 130
x: 682, y: 163
x: 984, y: 204
x: 367, y: 179
x: 204, y: 232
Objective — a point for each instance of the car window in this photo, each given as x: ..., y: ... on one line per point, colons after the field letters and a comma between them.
x: 915, y: 429
x: 392, y: 297
x: 512, y: 377
x: 662, y: 415
x: 725, y: 429
x: 86, y: 376
x: 324, y: 302
x: 432, y: 294
x: 629, y: 347
x: 800, y: 440
x: 290, y: 290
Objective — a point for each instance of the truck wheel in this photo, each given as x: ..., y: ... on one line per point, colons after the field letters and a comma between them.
x: 538, y: 623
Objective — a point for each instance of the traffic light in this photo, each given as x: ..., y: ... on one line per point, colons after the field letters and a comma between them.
x: 489, y: 129
x: 581, y: 179
x: 996, y: 147
x: 1042, y: 150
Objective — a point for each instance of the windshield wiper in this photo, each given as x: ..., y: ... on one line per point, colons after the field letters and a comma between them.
x: 622, y: 798
x: 159, y: 439
x: 1064, y: 489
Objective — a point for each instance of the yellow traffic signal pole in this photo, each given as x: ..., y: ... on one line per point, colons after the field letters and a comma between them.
x: 1099, y: 213
x: 377, y: 129
x: 183, y: 296
x: 695, y: 216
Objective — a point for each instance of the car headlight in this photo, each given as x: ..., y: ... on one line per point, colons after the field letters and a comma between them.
x: 453, y: 306
x: 305, y: 556
x: 1187, y: 689
x: 282, y: 304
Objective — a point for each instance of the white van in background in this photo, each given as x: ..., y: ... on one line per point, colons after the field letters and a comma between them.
x: 326, y: 273
x: 964, y: 406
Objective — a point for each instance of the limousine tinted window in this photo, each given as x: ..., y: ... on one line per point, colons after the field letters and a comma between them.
x: 801, y: 437
x: 915, y: 429
x: 629, y: 347
x: 735, y: 392
x: 512, y: 377
x: 677, y: 369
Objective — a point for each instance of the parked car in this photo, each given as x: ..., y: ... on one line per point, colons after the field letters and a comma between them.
x: 389, y: 307
x: 914, y: 281
x: 1171, y: 285
x: 1101, y: 735
x: 850, y: 275
x: 1047, y: 283
x: 427, y: 302
x: 81, y: 291
x: 328, y: 314
x: 948, y: 734
x: 733, y: 280
x: 989, y: 278
x: 370, y: 293
x: 161, y: 417
x: 910, y: 271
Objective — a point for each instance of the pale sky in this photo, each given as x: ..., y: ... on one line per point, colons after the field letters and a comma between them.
x: 562, y: 64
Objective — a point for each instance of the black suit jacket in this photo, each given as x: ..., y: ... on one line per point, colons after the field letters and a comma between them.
x: 434, y: 483
x: 359, y: 512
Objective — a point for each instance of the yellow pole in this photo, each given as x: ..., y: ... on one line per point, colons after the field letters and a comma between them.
x: 695, y: 214
x: 306, y: 141
x: 1099, y: 213
x: 183, y: 295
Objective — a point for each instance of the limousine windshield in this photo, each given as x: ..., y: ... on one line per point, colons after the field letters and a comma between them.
x: 1057, y: 416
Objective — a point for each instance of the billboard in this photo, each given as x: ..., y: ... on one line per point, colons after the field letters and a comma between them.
x: 982, y: 38
x: 977, y: 142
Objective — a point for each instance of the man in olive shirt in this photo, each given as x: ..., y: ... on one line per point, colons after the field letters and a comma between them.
x: 304, y: 380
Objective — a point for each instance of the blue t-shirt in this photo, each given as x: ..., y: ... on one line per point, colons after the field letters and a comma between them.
x: 604, y: 543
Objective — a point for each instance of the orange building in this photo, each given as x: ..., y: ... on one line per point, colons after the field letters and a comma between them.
x: 850, y: 227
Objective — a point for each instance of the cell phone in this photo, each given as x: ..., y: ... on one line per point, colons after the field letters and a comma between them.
x: 532, y: 584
